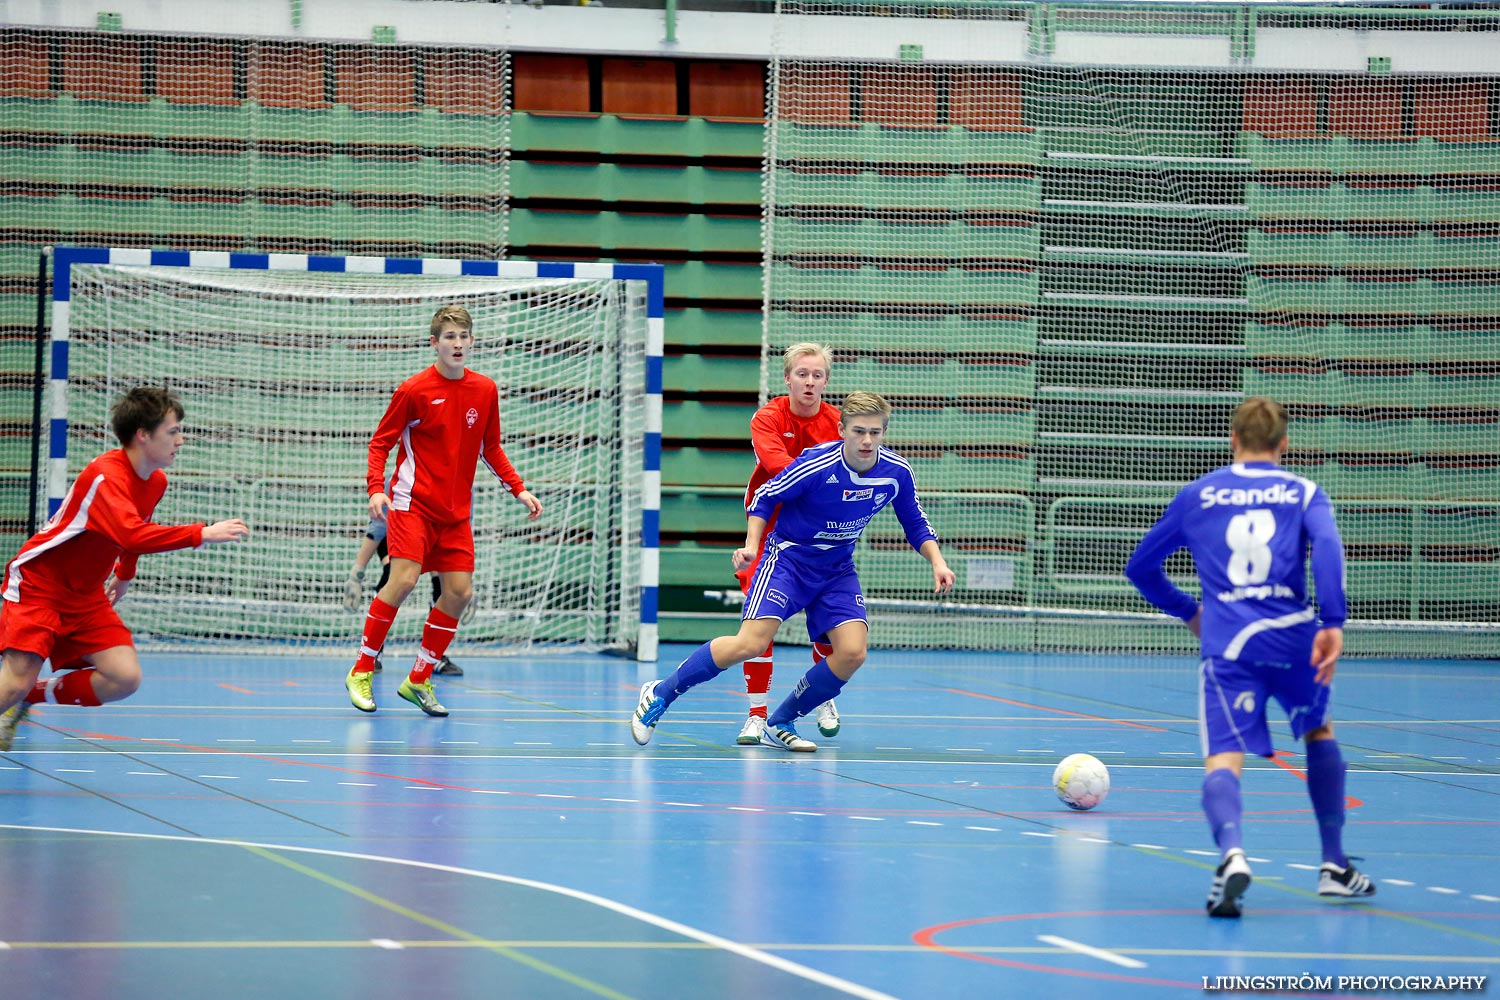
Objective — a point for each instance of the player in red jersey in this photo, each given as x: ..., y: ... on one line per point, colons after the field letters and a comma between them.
x: 441, y: 421
x: 61, y: 588
x: 780, y: 431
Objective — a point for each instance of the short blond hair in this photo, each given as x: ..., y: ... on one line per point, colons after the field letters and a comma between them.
x: 806, y: 347
x: 1259, y: 424
x: 452, y: 314
x: 863, y: 404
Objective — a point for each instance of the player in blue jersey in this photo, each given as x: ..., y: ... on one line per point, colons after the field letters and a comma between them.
x: 1249, y: 527
x: 827, y: 496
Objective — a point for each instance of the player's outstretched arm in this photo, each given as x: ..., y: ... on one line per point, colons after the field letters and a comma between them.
x: 942, y: 576
x: 532, y: 504
x: 231, y: 530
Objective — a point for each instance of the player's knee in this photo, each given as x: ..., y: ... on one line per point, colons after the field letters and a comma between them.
x: 1321, y: 733
x: 457, y: 595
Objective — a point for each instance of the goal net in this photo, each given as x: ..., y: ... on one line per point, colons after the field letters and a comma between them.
x: 285, y: 365
x: 1066, y: 248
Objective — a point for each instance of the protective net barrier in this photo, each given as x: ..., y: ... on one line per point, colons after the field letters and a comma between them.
x: 1066, y: 276
x: 118, y: 138
x: 285, y: 375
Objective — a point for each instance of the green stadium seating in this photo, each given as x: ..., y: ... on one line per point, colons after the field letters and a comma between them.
x: 873, y: 143
x: 696, y: 185
x: 690, y: 511
x: 1342, y: 296
x: 1416, y: 342
x: 1419, y: 203
x: 630, y: 231
x: 1342, y: 155
x: 874, y: 331
x: 990, y: 473
x: 870, y: 284
x: 936, y: 239
x: 688, y: 466
x: 699, y: 373
x: 699, y: 327
x: 689, y: 565
x: 1167, y: 142
x: 927, y: 190
x: 945, y: 378
x: 612, y: 134
x: 707, y: 421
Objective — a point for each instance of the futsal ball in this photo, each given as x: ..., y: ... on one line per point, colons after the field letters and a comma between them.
x: 1081, y: 781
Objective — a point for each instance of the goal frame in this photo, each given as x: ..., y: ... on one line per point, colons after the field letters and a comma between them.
x: 652, y: 275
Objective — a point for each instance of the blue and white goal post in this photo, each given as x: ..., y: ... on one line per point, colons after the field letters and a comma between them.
x: 285, y: 364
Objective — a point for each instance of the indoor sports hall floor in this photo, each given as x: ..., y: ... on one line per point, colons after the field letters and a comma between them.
x: 236, y: 830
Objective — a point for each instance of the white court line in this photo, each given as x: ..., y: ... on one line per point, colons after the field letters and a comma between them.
x: 671, y: 926
x: 387, y: 943
x: 73, y: 770
x: 921, y: 822
x: 1036, y: 833
x: 870, y: 819
x: 359, y: 784
x: 1089, y: 950
x: 985, y: 829
x: 289, y: 781
x: 1397, y: 881
x: 1444, y: 890
x: 1150, y: 847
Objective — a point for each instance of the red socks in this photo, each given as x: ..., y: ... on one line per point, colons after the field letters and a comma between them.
x: 378, y: 622
x: 436, y: 635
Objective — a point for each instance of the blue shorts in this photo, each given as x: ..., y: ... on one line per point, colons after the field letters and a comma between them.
x: 786, y: 583
x: 1232, y: 703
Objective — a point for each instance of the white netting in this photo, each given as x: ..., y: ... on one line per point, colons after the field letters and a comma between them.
x: 284, y: 376
x: 1066, y: 276
x: 125, y: 139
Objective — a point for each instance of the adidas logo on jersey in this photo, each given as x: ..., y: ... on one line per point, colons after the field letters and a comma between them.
x: 832, y: 479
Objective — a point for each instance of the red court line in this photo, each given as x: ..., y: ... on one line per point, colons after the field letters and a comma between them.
x: 231, y: 687
x: 1350, y: 802
x: 926, y: 937
x: 1059, y: 711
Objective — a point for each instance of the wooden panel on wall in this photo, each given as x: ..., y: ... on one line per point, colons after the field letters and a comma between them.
x: 727, y: 89
x: 103, y: 69
x: 550, y: 83
x: 195, y: 72
x: 899, y: 95
x: 1452, y: 109
x: 24, y: 66
x: 985, y: 98
x: 639, y: 86
x: 1369, y: 109
x: 287, y: 75
x: 1280, y: 107
x: 375, y: 79
x: 815, y: 95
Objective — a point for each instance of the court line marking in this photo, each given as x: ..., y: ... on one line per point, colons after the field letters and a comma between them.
x: 671, y: 926
x: 1091, y: 951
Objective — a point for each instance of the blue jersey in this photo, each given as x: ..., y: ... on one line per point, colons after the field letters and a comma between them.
x: 1249, y: 527
x: 826, y: 505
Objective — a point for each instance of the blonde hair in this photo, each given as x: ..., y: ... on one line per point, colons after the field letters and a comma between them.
x: 863, y: 404
x: 451, y: 314
x: 806, y: 347
x: 1259, y: 424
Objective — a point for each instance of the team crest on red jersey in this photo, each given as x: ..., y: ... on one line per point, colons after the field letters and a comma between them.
x: 471, y: 416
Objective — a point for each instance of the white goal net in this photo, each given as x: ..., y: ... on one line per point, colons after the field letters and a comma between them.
x: 284, y: 375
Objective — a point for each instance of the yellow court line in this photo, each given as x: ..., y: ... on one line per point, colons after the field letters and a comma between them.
x: 534, y: 963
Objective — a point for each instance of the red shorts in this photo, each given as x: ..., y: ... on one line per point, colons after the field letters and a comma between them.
x: 438, y: 548
x: 65, y: 639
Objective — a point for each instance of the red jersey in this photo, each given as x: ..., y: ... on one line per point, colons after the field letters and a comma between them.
x: 104, y: 523
x: 443, y: 427
x: 779, y: 435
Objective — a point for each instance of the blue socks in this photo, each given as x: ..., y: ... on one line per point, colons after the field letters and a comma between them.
x: 1221, y: 804
x: 697, y: 668
x: 1325, y: 786
x: 816, y: 686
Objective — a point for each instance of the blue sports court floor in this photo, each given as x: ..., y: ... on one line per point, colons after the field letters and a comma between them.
x: 236, y: 830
